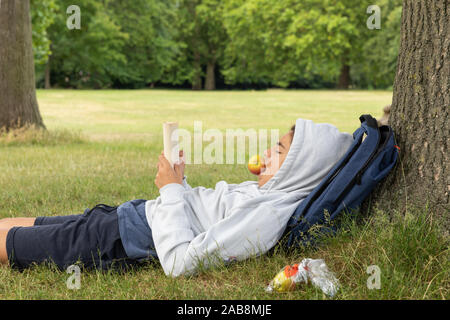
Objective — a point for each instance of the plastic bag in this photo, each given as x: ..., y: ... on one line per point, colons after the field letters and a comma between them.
x: 314, y: 270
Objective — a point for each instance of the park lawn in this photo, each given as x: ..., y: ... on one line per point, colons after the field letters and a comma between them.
x: 138, y: 114
x: 102, y: 147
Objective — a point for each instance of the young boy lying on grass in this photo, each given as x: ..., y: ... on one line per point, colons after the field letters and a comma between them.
x: 185, y: 227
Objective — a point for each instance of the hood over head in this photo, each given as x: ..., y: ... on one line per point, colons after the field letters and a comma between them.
x: 314, y: 150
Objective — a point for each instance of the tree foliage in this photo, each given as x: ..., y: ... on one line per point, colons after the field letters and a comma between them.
x: 42, y: 17
x: 150, y: 48
x: 380, y: 51
x: 88, y: 57
x: 286, y: 43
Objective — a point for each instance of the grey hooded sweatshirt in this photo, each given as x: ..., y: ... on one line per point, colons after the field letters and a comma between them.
x: 199, y: 226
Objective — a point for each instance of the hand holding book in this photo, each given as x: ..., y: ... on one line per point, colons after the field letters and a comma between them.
x: 166, y: 173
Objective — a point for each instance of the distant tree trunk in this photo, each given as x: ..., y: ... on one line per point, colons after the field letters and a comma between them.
x: 210, y: 83
x: 48, y: 84
x: 344, y: 77
x: 197, y: 80
x: 18, y: 103
x: 420, y: 112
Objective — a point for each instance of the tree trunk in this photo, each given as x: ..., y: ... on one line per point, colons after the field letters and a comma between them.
x: 210, y: 83
x: 197, y: 79
x: 344, y: 77
x: 18, y: 103
x: 419, y: 112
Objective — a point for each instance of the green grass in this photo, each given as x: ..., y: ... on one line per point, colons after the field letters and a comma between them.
x: 102, y: 147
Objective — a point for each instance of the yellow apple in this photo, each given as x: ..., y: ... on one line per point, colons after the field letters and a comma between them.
x: 255, y: 165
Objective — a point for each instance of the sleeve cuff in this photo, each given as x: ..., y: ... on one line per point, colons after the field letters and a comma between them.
x: 185, y: 184
x: 171, y: 192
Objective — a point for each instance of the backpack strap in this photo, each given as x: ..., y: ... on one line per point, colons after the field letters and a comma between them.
x: 366, y: 152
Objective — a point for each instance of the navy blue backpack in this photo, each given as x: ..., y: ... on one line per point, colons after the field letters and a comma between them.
x: 369, y: 159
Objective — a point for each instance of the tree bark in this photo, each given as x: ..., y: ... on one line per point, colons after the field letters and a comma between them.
x: 419, y: 113
x: 18, y: 103
x: 344, y: 77
x: 210, y: 83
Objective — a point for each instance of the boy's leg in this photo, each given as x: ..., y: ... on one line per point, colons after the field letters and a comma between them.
x: 16, y: 222
x: 93, y: 239
x: 8, y: 223
x: 46, y: 220
x: 3, y: 253
x: 29, y: 222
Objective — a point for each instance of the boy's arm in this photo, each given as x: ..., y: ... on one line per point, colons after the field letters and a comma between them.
x: 247, y: 231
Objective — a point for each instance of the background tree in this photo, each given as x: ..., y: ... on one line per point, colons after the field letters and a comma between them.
x: 188, y: 62
x: 92, y: 56
x: 380, y: 51
x: 42, y: 17
x: 202, y: 39
x: 329, y: 35
x: 420, y: 111
x: 18, y: 104
x: 289, y: 39
x: 213, y: 37
x: 150, y: 48
x: 248, y: 44
x: 256, y: 52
